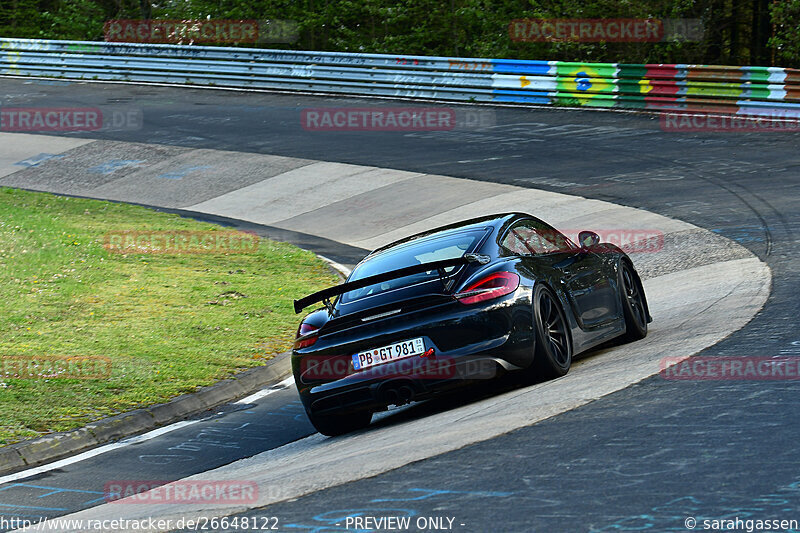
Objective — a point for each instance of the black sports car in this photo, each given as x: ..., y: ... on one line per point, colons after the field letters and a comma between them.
x: 456, y: 304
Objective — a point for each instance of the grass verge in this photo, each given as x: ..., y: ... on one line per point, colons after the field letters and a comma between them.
x: 168, y: 323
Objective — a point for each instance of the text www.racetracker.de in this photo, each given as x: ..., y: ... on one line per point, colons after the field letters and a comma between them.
x: 241, y: 523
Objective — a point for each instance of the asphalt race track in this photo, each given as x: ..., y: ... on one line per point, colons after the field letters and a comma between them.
x: 642, y: 457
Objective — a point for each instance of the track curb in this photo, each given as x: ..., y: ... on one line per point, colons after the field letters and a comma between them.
x: 58, y: 445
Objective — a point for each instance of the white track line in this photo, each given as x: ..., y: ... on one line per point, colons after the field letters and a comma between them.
x: 133, y: 440
x: 97, y: 451
x: 343, y: 270
x: 286, y: 383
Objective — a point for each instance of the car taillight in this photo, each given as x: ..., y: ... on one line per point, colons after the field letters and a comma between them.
x: 492, y: 286
x: 303, y: 331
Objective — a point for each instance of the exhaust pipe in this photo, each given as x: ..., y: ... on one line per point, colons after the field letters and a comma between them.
x: 393, y: 394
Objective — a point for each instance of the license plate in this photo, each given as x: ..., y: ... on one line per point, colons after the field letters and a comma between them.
x: 393, y: 352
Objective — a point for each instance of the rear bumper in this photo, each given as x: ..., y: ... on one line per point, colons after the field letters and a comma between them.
x: 470, y: 344
x: 416, y: 381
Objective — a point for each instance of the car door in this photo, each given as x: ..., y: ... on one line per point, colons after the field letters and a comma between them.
x: 588, y: 286
x: 582, y: 274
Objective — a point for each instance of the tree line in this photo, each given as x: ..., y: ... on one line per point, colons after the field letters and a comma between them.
x: 735, y: 32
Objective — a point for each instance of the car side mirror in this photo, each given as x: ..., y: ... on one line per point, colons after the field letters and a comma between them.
x: 588, y: 239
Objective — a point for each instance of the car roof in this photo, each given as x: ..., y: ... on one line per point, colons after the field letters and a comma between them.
x: 493, y: 221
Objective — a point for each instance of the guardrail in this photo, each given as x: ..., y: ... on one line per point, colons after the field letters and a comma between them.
x: 743, y: 90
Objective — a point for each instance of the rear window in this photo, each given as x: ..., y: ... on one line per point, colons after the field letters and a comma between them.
x: 425, y: 250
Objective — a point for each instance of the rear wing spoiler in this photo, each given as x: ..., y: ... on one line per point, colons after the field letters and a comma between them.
x: 326, y: 294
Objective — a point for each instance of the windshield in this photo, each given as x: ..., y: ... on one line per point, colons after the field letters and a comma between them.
x: 530, y: 237
x: 426, y: 250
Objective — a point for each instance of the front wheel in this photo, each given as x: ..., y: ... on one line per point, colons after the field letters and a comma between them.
x: 553, y: 352
x: 633, y: 304
x: 334, y: 425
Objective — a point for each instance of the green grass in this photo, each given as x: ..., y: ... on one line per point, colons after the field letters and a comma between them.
x: 168, y: 323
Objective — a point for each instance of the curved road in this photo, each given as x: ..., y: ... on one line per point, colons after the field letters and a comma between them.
x: 645, y: 458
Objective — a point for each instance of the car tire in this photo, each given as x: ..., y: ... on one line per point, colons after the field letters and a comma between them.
x: 634, y: 305
x: 553, y: 351
x: 335, y: 425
